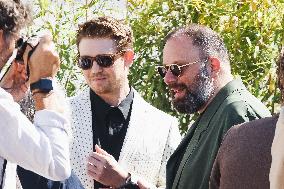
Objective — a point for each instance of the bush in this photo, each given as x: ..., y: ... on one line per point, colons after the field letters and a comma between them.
x: 252, y: 31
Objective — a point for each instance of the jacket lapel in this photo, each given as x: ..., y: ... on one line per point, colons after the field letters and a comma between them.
x: 204, y: 123
x: 134, y: 130
x: 175, y: 157
x: 83, y: 136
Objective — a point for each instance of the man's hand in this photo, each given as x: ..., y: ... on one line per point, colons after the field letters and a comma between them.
x: 15, y: 81
x: 102, y: 167
x: 44, y: 62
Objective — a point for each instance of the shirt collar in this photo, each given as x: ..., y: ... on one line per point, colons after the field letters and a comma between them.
x: 104, y: 107
x: 125, y: 105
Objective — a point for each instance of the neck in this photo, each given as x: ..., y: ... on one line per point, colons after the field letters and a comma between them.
x: 115, y: 98
x: 220, y: 83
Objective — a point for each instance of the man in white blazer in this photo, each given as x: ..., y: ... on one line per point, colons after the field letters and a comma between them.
x: 120, y: 140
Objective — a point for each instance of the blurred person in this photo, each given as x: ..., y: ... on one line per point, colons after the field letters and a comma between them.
x: 197, y: 70
x: 276, y: 174
x: 43, y: 146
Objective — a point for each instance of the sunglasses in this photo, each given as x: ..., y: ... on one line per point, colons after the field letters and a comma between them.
x: 103, y: 60
x: 174, y: 68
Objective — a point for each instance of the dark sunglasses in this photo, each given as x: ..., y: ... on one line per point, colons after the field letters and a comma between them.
x: 174, y: 68
x: 103, y: 60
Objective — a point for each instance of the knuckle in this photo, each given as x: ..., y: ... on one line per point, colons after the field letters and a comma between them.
x: 100, y: 176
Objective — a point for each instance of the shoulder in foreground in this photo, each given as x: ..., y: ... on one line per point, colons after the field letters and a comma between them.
x: 248, y: 108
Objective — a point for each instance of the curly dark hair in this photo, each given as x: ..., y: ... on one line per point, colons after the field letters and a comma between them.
x: 107, y: 27
x: 14, y: 15
x: 207, y: 40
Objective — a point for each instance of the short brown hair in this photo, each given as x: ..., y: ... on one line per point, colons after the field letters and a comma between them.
x: 204, y: 38
x: 107, y: 27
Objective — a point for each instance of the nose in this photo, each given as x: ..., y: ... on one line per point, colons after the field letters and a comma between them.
x: 96, y: 68
x: 170, y: 78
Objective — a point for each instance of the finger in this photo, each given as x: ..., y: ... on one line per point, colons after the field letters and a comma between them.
x: 101, y: 151
x: 25, y: 55
x: 47, y: 37
x: 99, y: 165
x: 92, y: 174
x: 98, y: 156
x: 95, y: 157
x: 93, y: 168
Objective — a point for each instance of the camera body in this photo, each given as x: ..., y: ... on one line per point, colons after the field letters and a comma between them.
x: 21, y: 45
x: 18, y: 53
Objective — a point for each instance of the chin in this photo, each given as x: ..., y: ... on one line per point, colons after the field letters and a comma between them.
x: 101, y: 90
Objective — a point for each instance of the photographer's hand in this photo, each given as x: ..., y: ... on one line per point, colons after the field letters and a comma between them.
x: 44, y: 63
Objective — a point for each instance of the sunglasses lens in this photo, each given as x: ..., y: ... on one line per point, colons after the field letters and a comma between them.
x: 85, y: 63
x: 104, y: 60
x: 162, y: 71
x: 175, y: 70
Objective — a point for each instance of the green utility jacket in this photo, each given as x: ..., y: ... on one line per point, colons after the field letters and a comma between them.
x: 190, y: 165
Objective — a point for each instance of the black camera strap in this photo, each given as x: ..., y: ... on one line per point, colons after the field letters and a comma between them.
x: 3, y: 173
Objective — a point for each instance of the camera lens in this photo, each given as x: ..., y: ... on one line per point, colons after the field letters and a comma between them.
x: 19, y: 42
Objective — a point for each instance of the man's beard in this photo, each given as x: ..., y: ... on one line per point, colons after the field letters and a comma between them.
x: 194, y: 100
x: 111, y: 86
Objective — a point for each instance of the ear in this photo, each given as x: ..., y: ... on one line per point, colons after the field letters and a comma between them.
x: 214, y: 66
x: 128, y: 57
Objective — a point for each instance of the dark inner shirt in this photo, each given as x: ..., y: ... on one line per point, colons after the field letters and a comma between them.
x: 110, y: 124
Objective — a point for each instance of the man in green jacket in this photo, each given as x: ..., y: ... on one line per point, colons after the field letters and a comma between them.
x: 197, y: 70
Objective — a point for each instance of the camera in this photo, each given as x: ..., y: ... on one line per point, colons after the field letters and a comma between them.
x: 21, y: 45
x: 18, y: 53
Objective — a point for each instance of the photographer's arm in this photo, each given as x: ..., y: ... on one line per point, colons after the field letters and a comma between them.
x: 42, y: 147
x: 44, y: 63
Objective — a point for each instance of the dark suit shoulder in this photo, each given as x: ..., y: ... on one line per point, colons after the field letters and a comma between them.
x: 249, y: 132
x: 245, y: 151
x: 256, y: 128
x: 245, y: 108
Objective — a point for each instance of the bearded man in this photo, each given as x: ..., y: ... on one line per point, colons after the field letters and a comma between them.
x: 197, y: 70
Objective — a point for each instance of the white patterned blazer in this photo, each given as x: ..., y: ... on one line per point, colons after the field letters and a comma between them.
x: 151, y: 138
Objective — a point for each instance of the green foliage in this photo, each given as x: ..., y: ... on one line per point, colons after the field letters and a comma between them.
x: 61, y: 19
x: 252, y: 31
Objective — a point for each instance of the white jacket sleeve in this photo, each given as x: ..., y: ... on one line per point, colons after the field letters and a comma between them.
x: 42, y: 148
x: 277, y: 151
